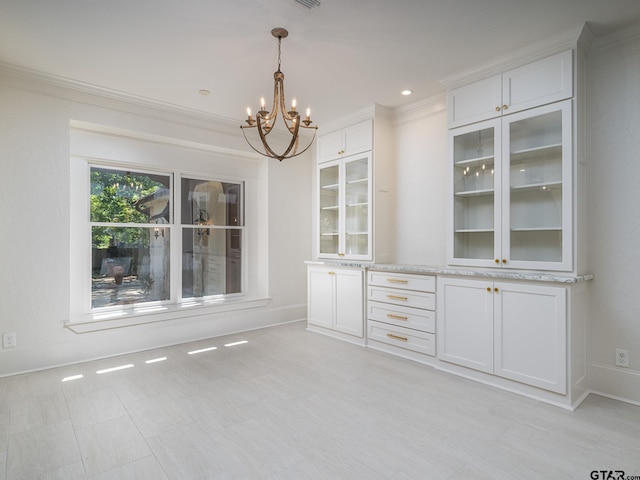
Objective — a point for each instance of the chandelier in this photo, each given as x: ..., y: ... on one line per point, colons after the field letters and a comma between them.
x: 265, y: 121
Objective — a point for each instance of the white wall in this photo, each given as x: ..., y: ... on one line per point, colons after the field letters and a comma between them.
x: 422, y: 190
x: 35, y: 256
x: 614, y: 208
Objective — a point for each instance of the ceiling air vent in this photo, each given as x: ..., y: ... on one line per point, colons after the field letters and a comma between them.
x: 307, y: 3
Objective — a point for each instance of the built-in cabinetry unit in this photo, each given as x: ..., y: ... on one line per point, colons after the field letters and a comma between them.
x: 512, y: 168
x: 335, y: 302
x: 401, y: 315
x: 354, y: 207
x: 512, y: 191
x: 533, y: 333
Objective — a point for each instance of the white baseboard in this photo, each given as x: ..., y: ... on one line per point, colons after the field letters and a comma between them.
x: 615, y: 382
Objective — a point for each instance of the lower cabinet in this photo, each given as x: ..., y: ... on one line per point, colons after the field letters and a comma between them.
x: 513, y: 330
x: 336, y: 300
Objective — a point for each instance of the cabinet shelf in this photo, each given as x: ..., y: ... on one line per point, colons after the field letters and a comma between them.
x: 475, y: 193
x: 362, y: 204
x: 329, y: 234
x: 357, y: 233
x: 547, y: 186
x: 333, y: 186
x: 471, y: 162
x: 537, y: 229
x: 535, y: 152
x: 474, y: 230
x: 359, y: 180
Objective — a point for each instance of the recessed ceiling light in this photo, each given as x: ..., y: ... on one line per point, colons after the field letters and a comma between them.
x: 406, y: 92
x: 204, y: 92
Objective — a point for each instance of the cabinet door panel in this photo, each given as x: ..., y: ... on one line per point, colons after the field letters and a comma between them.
x: 358, y: 138
x: 349, y: 302
x: 545, y: 81
x: 465, y: 323
x: 537, y: 188
x: 320, y: 305
x: 475, y: 102
x: 530, y: 335
x: 330, y: 145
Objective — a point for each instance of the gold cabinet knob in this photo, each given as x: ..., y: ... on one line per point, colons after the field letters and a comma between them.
x: 495, y: 289
x: 504, y: 107
x: 489, y: 289
x: 504, y: 260
x: 497, y: 261
x: 340, y: 152
x: 497, y: 109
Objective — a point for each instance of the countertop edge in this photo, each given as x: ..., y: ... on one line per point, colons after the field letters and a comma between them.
x: 454, y: 271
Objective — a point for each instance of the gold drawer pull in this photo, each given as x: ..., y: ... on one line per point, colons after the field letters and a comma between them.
x: 397, y: 297
x: 396, y: 317
x: 397, y: 280
x: 397, y: 337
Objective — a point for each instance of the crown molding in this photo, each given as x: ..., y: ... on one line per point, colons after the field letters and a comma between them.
x: 61, y: 87
x: 529, y: 54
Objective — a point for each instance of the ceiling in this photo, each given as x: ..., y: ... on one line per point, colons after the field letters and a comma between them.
x: 340, y: 57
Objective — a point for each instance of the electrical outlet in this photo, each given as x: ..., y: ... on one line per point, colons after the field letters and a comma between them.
x: 8, y: 340
x: 622, y: 357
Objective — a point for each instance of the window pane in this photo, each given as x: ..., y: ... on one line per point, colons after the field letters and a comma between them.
x: 119, y: 196
x: 206, y: 202
x: 129, y: 265
x: 211, y: 261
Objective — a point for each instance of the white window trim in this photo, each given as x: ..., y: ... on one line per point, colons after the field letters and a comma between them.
x: 83, y: 319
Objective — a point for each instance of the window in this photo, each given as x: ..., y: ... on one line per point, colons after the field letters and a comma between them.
x: 135, y: 237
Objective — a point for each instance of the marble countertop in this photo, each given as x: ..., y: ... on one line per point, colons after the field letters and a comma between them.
x: 459, y: 271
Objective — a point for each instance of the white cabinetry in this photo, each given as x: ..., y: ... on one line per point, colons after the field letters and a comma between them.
x: 336, y: 301
x: 401, y: 313
x: 350, y: 140
x: 512, y: 191
x: 345, y: 207
x: 354, y: 214
x: 538, y: 83
x: 514, y: 330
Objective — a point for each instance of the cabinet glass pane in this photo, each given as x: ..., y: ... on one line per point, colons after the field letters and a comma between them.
x: 535, y: 188
x: 357, y: 207
x: 329, y: 209
x: 474, y: 186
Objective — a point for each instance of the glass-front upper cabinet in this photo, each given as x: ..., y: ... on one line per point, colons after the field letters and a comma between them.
x: 345, y: 210
x: 512, y: 191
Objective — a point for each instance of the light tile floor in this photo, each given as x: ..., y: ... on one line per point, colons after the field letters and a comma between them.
x: 291, y: 404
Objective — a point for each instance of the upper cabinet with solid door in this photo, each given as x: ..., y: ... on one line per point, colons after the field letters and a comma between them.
x: 538, y: 83
x: 357, y: 138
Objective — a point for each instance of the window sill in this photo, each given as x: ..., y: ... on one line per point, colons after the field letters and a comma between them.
x: 94, y: 322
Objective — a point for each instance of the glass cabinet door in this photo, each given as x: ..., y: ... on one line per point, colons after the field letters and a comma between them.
x: 357, y: 218
x: 537, y: 188
x: 476, y: 171
x: 329, y: 203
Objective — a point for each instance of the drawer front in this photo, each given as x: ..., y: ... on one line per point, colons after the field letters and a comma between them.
x: 403, y: 297
x: 417, y: 319
x: 421, y: 283
x: 402, y: 337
